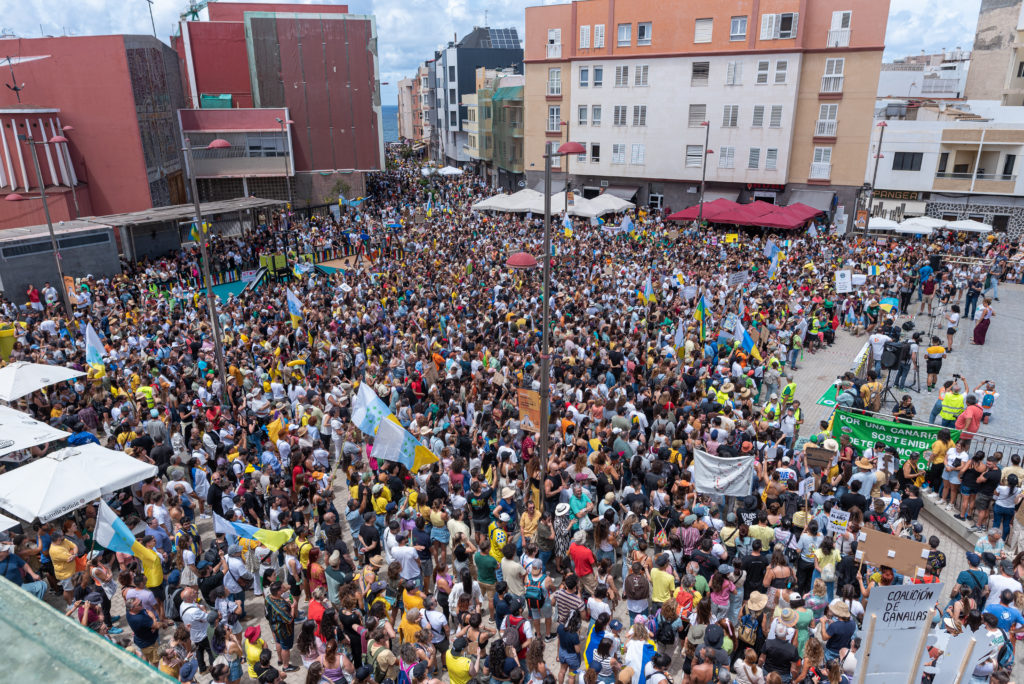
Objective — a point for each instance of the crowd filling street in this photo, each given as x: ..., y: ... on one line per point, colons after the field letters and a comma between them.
x: 479, y: 560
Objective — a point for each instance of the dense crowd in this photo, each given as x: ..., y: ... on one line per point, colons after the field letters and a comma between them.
x: 483, y: 566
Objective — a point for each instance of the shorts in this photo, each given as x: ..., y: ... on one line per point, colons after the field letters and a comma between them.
x: 927, y: 297
x: 544, y: 612
x: 967, y: 491
x: 933, y: 366
x: 67, y: 584
x: 951, y: 331
x: 570, y: 658
x: 952, y: 478
x: 982, y: 502
x: 159, y: 592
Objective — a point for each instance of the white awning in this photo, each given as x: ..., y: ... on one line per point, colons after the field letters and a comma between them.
x: 21, y: 378
x: 879, y: 223
x: 712, y: 195
x: 626, y: 192
x: 819, y: 199
x: 969, y: 226
x: 20, y: 431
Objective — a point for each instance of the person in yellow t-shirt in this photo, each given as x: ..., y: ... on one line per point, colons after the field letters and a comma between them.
x: 663, y: 581
x: 410, y: 626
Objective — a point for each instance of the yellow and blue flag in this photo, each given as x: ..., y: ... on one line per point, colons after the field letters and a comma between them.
x: 93, y: 347
x: 272, y: 539
x: 701, y: 313
x: 294, y: 307
x: 394, y: 443
x: 741, y: 334
x: 194, y: 232
x: 112, y: 533
x: 368, y: 410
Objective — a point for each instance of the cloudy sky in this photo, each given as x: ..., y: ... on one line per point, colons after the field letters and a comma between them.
x: 409, y: 30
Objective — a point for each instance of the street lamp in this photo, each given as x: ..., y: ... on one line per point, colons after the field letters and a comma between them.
x: 15, y: 197
x: 217, y: 144
x: 287, y: 178
x: 703, y: 171
x: 874, y: 177
x: 521, y: 261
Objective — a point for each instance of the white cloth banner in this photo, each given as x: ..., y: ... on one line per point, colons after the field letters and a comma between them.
x: 725, y: 476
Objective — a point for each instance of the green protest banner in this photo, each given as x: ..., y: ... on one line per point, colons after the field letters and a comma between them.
x: 829, y: 397
x: 865, y: 431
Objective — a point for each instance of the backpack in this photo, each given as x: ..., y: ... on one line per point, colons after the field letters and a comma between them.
x: 512, y: 635
x: 535, y: 595
x: 403, y: 673
x: 748, y: 629
x: 975, y: 586
x: 172, y: 608
x: 1005, y: 658
x: 858, y: 402
x: 664, y: 634
x: 875, y: 391
x: 636, y: 587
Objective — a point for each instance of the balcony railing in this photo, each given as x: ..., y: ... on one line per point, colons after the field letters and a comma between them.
x: 821, y: 170
x: 554, y: 50
x: 554, y: 88
x: 979, y: 176
x: 831, y: 84
x: 838, y: 38
x: 826, y: 128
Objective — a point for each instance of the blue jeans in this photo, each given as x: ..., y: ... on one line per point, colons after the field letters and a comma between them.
x: 949, y: 422
x: 901, y: 375
x: 38, y: 588
x: 793, y: 355
x: 240, y: 597
x: 1001, y: 519
x: 993, y: 288
x: 971, y: 306
x: 935, y: 411
x: 545, y: 557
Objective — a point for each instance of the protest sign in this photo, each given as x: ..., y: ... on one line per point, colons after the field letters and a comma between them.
x: 529, y: 409
x: 829, y: 397
x: 689, y: 292
x: 906, y: 556
x: 806, y: 486
x: 818, y: 457
x: 725, y: 476
x: 838, y: 520
x: 900, y: 616
x: 908, y: 440
x: 738, y: 278
x: 731, y: 237
x: 844, y: 281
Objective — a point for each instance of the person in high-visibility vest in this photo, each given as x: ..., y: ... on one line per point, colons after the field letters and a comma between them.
x: 788, y: 392
x: 773, y: 408
x: 815, y: 333
x: 952, y: 407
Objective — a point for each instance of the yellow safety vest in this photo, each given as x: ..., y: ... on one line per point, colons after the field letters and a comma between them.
x: 952, y: 406
x: 788, y: 392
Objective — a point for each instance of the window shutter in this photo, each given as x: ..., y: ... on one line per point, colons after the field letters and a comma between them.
x: 796, y: 18
x: 585, y: 36
x: 767, y: 26
x: 730, y: 74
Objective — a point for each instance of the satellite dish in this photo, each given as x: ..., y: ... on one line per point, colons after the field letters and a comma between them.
x: 522, y: 183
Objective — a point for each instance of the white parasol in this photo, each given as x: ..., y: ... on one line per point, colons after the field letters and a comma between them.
x: 21, y: 431
x: 21, y: 377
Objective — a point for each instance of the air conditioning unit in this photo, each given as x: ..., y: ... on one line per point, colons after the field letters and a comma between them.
x: 604, y: 184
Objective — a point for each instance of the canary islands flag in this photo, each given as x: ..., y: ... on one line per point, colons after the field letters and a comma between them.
x: 394, y: 443
x: 93, y: 347
x: 368, y: 410
x: 112, y: 533
x: 272, y: 539
x: 294, y: 307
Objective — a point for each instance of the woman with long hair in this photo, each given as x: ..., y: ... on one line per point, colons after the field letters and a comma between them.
x: 308, y: 644
x: 747, y: 670
x: 985, y: 319
x: 778, y: 576
x: 826, y: 558
x: 569, y: 646
x: 813, y: 661
x: 935, y: 477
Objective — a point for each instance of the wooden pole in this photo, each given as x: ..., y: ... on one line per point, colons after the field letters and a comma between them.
x: 912, y: 677
x: 966, y: 659
x: 867, y: 650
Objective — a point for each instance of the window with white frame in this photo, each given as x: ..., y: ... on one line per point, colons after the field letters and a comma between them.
x: 700, y: 72
x: 771, y: 159
x: 703, y: 30
x: 832, y: 80
x: 584, y: 77
x: 822, y: 155
x: 775, y: 118
x: 625, y: 35
x: 556, y: 159
x: 781, y: 67
x: 582, y: 156
x: 828, y: 120
x: 762, y: 72
x: 595, y: 152
x: 554, y: 47
x: 655, y: 200
x: 734, y: 73
x: 636, y: 154
x: 554, y: 118
x: 598, y: 35
x: 621, y: 76
x: 758, y: 120
x: 598, y: 76
x: 585, y: 36
x: 754, y: 158
x: 738, y: 28
x: 554, y: 81
x: 619, y: 115
x: 595, y: 115
x: 727, y: 157
x: 694, y: 156
x: 640, y: 75
x: 698, y: 115
x: 730, y: 116
x: 618, y: 153
x: 779, y: 26
x: 639, y: 115
x: 581, y: 115
x: 643, y: 33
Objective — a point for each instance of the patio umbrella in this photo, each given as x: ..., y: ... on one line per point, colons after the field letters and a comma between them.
x: 918, y: 226
x: 20, y: 431
x: 21, y: 377
x: 880, y: 223
x: 7, y: 523
x: 68, y: 479
x: 450, y: 171
x: 970, y: 226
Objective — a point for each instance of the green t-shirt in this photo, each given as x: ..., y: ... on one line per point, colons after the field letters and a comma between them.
x: 486, y: 568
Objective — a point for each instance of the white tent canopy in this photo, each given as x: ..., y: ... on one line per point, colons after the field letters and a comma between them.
x: 610, y: 204
x: 920, y: 225
x: 879, y: 223
x: 523, y: 201
x: 491, y: 203
x: 20, y: 431
x: 66, y: 480
x: 21, y: 378
x: 969, y: 226
x: 7, y: 523
x: 449, y: 171
x: 579, y: 207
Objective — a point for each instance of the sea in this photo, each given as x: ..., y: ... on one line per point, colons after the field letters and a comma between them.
x: 389, y: 113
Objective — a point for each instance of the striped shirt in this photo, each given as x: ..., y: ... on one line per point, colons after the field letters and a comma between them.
x: 566, y: 602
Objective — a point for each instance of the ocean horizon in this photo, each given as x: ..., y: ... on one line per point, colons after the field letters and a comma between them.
x: 389, y: 115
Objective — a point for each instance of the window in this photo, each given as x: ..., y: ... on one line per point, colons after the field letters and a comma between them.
x: 698, y: 115
x: 625, y: 35
x: 595, y: 115
x: 738, y: 28
x: 595, y: 152
x: 762, y: 72
x: 781, y: 67
x: 787, y: 25
x: 907, y: 161
x: 619, y: 118
x: 694, y: 156
x: 451, y: 73
x: 453, y: 119
x: 556, y: 159
x: 643, y: 33
x: 452, y: 99
x: 656, y: 200
x: 727, y: 158
x: 621, y: 76
x: 730, y: 116
x: 758, y: 120
x: 598, y: 35
x: 775, y: 118
x: 832, y: 81
x: 639, y: 115
x: 1020, y: 70
x: 581, y: 115
x: 554, y: 118
x: 554, y: 46
x: 779, y: 26
x: 822, y: 155
x: 636, y: 153
x: 734, y: 73
x: 771, y: 159
x: 582, y: 156
x: 585, y: 36
x: 754, y: 158
x: 702, y: 30
x: 598, y: 76
x: 618, y: 153
x: 943, y: 161
x: 554, y: 81
x: 640, y: 75
x: 584, y: 77
x: 700, y: 73
x: 1008, y: 163
x: 841, y: 19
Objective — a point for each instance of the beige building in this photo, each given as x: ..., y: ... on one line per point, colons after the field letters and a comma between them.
x: 406, y: 107
x: 997, y: 61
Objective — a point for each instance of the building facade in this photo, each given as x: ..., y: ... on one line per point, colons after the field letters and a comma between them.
x: 507, y: 131
x: 405, y: 109
x: 995, y: 72
x: 756, y: 97
x: 423, y: 105
x: 938, y: 76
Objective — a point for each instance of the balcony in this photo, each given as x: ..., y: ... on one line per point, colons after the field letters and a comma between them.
x: 825, y: 128
x: 554, y: 50
x: 820, y: 171
x: 838, y: 38
x: 554, y: 88
x: 831, y: 85
x: 994, y: 183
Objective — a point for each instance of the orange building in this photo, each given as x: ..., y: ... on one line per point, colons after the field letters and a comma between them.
x: 783, y: 91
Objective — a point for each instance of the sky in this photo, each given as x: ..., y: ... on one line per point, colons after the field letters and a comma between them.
x: 410, y: 30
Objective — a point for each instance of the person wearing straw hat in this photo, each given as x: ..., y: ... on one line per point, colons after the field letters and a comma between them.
x: 837, y: 629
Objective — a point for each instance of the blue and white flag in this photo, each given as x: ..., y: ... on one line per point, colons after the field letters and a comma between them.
x: 111, y: 532
x: 368, y: 410
x: 93, y: 347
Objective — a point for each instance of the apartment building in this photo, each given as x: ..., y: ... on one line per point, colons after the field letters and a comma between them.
x: 405, y: 109
x: 997, y: 61
x: 756, y: 96
x: 423, y: 105
x: 936, y: 76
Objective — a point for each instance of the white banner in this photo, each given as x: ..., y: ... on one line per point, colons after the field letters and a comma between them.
x: 725, y: 476
x: 844, y: 281
x: 838, y: 520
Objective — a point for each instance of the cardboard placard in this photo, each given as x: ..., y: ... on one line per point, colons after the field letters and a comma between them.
x: 818, y: 457
x: 806, y: 486
x: 844, y: 281
x: 902, y: 555
x: 529, y: 409
x: 838, y: 520
x: 738, y: 278
x: 430, y: 373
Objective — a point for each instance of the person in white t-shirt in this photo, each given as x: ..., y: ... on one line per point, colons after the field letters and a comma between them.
x: 1002, y: 580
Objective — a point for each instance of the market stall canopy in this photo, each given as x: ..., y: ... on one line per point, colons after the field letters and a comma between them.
x: 428, y: 170
x: 20, y: 431
x: 449, y: 171
x: 969, y: 226
x: 21, y: 378
x: 579, y: 207
x: 744, y: 214
x: 610, y: 204
x: 491, y: 203
x: 915, y: 226
x: 788, y: 217
x: 523, y: 201
x: 66, y: 480
x: 880, y: 223
x: 710, y: 209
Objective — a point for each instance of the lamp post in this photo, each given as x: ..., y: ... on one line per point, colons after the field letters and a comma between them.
x: 217, y: 144
x: 15, y: 197
x: 703, y: 172
x: 874, y: 176
x: 545, y: 349
x: 287, y: 177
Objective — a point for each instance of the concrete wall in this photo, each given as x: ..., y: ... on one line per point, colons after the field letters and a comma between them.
x: 17, y: 272
x: 156, y: 240
x: 992, y: 52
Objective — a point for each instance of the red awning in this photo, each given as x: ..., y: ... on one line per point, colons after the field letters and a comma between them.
x: 710, y: 209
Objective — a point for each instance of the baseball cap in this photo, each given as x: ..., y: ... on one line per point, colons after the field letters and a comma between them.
x: 973, y: 558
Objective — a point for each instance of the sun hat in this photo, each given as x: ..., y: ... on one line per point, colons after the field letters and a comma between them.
x: 788, y: 617
x: 757, y: 601
x: 839, y: 608
x: 562, y: 509
x: 252, y: 633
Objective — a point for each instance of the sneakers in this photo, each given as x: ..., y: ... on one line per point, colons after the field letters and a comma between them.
x: 115, y: 630
x: 550, y: 637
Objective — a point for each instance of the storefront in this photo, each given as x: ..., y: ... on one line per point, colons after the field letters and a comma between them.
x: 898, y: 205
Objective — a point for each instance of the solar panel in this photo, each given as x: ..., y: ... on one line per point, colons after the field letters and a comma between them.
x: 506, y: 38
